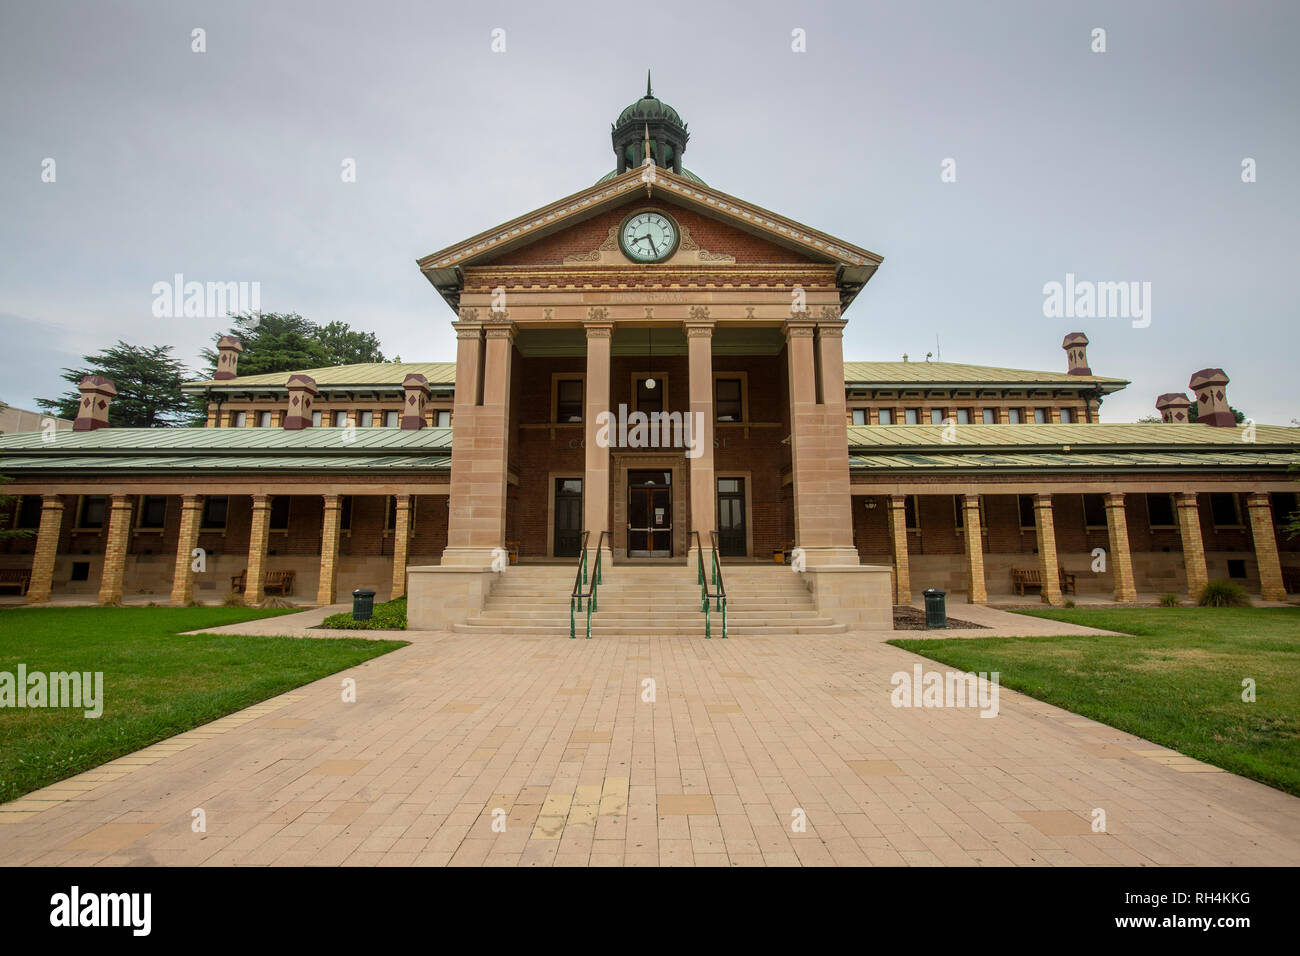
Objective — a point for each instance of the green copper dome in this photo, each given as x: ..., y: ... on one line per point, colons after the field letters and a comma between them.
x: 649, y: 118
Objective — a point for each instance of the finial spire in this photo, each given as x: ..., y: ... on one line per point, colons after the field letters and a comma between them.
x: 646, y: 147
x: 647, y: 85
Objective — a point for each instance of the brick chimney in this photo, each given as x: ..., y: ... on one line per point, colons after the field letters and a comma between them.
x: 302, y: 389
x: 1173, y: 407
x: 1208, y: 385
x: 1076, y: 352
x: 96, y: 393
x: 416, y: 387
x: 228, y: 349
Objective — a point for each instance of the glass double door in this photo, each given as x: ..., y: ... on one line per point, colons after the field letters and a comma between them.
x: 649, y: 514
x: 732, y: 530
x: 568, y: 517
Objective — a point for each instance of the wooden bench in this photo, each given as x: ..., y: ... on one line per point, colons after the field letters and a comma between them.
x: 1022, y: 578
x: 274, y: 582
x: 19, y: 578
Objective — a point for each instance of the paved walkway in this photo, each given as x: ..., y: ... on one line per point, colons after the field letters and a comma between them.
x: 553, y: 741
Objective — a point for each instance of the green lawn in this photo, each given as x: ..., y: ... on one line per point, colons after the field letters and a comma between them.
x: 156, y: 682
x: 1177, y: 681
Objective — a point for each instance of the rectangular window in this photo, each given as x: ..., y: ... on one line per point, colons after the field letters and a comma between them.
x: 239, y: 419
x: 1067, y: 416
x: 367, y: 419
x: 727, y: 400
x: 345, y: 513
x: 442, y: 418
x: 936, y: 416
x: 886, y: 416
x: 1015, y: 416
x: 29, y: 512
x: 1040, y: 416
x: 649, y: 399
x: 390, y: 513
x: 214, y: 512
x: 958, y: 512
x: 153, y: 511
x: 1223, y: 508
x: 391, y: 419
x: 1094, y: 511
x: 315, y: 419
x: 990, y: 416
x: 568, y: 400
x: 963, y: 416
x: 859, y: 416
x: 280, y: 512
x: 1027, y: 521
x: 910, y: 517
x: 912, y: 416
x: 92, y: 511
x: 80, y: 571
x: 340, y: 419
x: 1237, y: 568
x: 1160, y: 511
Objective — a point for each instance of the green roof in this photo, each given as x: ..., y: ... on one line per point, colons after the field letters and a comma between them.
x: 227, y: 449
x: 947, y: 374
x: 1070, y: 447
x: 365, y: 375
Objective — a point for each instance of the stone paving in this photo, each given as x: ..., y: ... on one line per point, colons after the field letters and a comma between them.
x: 552, y: 741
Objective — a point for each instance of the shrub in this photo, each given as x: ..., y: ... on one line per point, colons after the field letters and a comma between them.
x: 234, y: 599
x: 389, y: 616
x: 1169, y: 600
x: 1223, y: 594
x: 1068, y: 603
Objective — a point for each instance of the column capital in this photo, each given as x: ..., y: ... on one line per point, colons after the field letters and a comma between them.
x: 831, y: 328
x: 798, y: 326
x: 699, y: 328
x: 498, y: 329
x: 467, y: 328
x: 1258, y: 499
x: 598, y: 330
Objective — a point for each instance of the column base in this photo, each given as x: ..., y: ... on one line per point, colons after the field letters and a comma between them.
x: 472, y: 558
x: 856, y: 595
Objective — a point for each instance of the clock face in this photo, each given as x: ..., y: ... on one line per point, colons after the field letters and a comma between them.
x: 649, y: 236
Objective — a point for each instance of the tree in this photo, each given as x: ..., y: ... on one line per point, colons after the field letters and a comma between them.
x: 286, y: 342
x: 9, y: 515
x: 1150, y: 420
x: 148, y: 381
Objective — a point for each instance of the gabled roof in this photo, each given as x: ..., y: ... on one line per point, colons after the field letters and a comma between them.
x: 443, y: 268
x: 952, y: 374
x: 365, y: 376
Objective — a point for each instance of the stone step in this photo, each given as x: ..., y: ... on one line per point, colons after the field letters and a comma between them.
x: 697, y: 630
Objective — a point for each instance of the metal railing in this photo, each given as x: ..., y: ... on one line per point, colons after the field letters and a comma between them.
x: 581, y: 581
x: 719, y: 593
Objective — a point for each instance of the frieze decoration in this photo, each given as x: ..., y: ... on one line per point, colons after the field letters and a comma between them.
x: 649, y: 311
x: 499, y: 316
x: 688, y: 252
x: 699, y: 312
x: 830, y: 312
x: 597, y: 313
x: 749, y: 312
x: 469, y: 315
x: 548, y: 313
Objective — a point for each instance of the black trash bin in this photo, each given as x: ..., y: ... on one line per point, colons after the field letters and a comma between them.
x: 363, y: 604
x: 936, y: 613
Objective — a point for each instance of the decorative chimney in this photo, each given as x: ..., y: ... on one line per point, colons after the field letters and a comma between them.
x: 96, y: 393
x: 302, y: 389
x: 1076, y: 353
x: 416, y: 387
x: 228, y: 349
x: 1173, y: 408
x: 1211, y: 399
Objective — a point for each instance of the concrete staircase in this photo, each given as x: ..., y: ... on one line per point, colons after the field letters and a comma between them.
x: 646, y: 600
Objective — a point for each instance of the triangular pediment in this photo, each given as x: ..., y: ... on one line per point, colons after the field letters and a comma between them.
x: 722, y: 230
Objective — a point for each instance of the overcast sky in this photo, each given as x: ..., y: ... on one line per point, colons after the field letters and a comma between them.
x: 1122, y: 166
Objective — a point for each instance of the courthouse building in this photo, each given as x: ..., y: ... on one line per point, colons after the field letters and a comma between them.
x: 651, y: 365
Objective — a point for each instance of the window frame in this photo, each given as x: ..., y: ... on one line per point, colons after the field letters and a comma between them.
x: 742, y: 379
x: 141, y: 502
x: 558, y: 379
x: 1173, y: 511
x: 204, y: 524
x: 82, y: 500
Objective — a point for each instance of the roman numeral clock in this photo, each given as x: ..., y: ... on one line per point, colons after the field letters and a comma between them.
x: 649, y: 236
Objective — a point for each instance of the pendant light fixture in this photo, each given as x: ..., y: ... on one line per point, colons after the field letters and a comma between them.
x: 650, y: 348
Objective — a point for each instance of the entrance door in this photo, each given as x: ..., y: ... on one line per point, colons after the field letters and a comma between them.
x: 568, y: 517
x: 649, y: 514
x: 731, y: 518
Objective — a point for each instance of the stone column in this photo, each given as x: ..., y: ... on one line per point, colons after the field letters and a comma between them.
x: 898, y: 539
x: 819, y: 442
x: 1121, y: 558
x: 47, y: 549
x: 187, y: 539
x: 1189, y: 528
x: 596, y: 478
x: 119, y: 536
x: 1045, y: 527
x: 401, y: 544
x: 259, y: 533
x: 480, y: 445
x: 1261, y: 528
x: 327, y: 585
x: 704, y: 488
x: 974, y: 549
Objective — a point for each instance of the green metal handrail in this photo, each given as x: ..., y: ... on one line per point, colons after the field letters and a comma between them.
x: 719, y: 592
x: 580, y: 578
